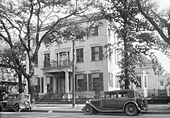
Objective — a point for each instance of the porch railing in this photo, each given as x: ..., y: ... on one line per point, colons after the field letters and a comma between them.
x: 57, y: 64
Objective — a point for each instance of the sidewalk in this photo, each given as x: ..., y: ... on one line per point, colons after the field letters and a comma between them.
x: 57, y: 108
x: 152, y: 109
x: 158, y: 109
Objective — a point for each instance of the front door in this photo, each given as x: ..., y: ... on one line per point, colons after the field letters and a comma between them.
x: 60, y: 84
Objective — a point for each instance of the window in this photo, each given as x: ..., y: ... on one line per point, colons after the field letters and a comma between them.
x: 96, y: 82
x: 63, y: 56
x: 47, y: 59
x: 161, y: 83
x: 97, y: 53
x: 168, y: 80
x: 94, y: 31
x: 79, y: 55
x: 138, y: 78
x: 81, y: 82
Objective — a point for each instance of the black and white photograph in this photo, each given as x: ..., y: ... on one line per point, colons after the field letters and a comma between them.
x: 84, y: 58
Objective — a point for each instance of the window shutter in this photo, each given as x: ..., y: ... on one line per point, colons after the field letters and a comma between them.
x: 100, y: 53
x: 38, y: 84
x: 101, y: 80
x: 90, y: 82
x: 92, y: 54
x: 82, y: 57
x: 76, y: 83
x: 42, y: 84
x: 85, y: 82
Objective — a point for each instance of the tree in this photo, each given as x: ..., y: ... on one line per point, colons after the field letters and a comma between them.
x: 7, y: 60
x: 27, y: 22
x: 158, y: 20
x: 134, y: 42
x: 124, y: 12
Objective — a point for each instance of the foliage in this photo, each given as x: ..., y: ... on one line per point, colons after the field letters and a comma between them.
x: 33, y: 20
x: 134, y: 38
x: 156, y: 18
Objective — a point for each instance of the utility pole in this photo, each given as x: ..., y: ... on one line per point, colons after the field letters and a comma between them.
x: 73, y: 75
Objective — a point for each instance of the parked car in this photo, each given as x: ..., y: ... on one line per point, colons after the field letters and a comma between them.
x: 16, y: 102
x: 128, y: 101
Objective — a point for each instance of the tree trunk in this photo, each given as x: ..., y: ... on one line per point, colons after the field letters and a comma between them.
x: 30, y: 91
x: 127, y: 83
x: 20, y: 83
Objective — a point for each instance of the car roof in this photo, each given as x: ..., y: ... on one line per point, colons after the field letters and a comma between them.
x: 115, y: 91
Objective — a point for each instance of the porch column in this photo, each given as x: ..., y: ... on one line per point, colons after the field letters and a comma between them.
x: 54, y: 84
x: 66, y: 82
x: 45, y: 84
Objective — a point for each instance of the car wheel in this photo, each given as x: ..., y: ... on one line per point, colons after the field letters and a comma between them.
x: 88, y: 110
x: 17, y: 108
x: 131, y: 109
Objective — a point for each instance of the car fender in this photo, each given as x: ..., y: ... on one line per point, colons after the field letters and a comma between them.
x: 93, y: 106
x: 124, y: 106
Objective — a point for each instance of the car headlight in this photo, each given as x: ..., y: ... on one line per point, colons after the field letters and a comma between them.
x: 88, y: 101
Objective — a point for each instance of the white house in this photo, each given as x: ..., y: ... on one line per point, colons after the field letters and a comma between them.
x: 53, y: 71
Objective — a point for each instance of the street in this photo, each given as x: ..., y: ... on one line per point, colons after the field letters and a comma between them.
x: 75, y: 115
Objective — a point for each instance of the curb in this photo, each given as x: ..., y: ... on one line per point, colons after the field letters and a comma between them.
x: 65, y: 111
x: 56, y: 111
x: 149, y: 112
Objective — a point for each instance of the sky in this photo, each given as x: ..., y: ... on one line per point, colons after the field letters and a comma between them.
x: 163, y: 4
x: 165, y: 62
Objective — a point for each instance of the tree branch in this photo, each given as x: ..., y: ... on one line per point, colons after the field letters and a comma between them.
x: 150, y: 19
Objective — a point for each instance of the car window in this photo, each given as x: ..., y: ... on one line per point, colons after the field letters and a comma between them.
x: 113, y: 95
x: 110, y: 95
x: 123, y: 94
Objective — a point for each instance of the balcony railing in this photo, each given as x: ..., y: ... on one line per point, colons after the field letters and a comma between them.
x: 57, y: 64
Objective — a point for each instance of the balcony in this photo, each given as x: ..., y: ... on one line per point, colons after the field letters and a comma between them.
x: 57, y: 64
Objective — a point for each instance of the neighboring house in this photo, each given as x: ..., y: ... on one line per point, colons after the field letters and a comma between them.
x: 53, y: 68
x: 150, y: 83
x: 164, y: 85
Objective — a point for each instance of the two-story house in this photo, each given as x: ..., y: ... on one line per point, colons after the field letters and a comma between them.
x: 93, y: 69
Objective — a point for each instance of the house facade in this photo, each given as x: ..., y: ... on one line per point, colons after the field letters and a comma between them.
x: 152, y: 84
x: 93, y: 69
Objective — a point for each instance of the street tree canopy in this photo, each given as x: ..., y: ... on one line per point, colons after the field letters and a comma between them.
x: 21, y: 23
x: 158, y: 19
x: 136, y: 34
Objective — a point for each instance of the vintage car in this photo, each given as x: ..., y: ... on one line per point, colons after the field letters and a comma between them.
x: 16, y: 102
x: 128, y: 101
